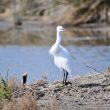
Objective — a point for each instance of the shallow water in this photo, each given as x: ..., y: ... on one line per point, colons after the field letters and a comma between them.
x: 36, y: 61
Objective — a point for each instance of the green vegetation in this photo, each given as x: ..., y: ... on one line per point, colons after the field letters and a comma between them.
x: 5, y: 91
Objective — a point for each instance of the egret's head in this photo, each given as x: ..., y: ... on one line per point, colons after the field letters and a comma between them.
x: 59, y: 28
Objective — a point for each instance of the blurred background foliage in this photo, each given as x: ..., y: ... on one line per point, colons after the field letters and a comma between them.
x: 71, y: 11
x: 58, y: 12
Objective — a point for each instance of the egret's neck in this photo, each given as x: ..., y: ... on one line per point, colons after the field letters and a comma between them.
x: 59, y: 36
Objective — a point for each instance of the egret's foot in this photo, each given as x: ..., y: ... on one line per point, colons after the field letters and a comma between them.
x: 67, y: 83
x: 63, y: 82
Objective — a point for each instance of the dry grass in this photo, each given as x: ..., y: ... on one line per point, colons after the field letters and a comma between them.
x: 1, y: 105
x: 26, y: 102
x: 13, y: 84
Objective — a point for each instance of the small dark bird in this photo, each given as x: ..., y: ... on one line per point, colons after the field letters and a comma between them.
x: 24, y: 78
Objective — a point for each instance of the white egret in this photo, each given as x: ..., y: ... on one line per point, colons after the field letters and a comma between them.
x: 62, y: 58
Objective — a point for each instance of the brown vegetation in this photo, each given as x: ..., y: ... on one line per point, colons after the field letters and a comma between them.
x: 72, y: 12
x: 27, y: 102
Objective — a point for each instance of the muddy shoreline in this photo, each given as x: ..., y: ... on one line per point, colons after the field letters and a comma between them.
x: 90, y: 92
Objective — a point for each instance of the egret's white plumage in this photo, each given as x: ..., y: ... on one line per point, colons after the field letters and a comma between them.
x: 62, y: 58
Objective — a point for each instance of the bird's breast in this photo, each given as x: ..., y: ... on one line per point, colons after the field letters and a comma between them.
x: 54, y: 50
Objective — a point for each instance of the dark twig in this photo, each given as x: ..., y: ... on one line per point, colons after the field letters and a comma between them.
x: 94, y: 69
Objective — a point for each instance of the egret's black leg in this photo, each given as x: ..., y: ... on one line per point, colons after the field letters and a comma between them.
x: 66, y: 76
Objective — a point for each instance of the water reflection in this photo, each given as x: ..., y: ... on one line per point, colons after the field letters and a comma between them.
x: 32, y: 32
x: 37, y: 62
